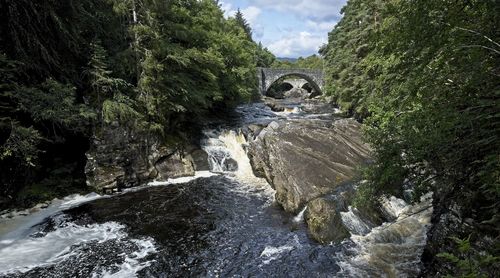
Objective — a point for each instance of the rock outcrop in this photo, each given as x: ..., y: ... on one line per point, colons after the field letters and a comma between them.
x: 122, y: 158
x: 305, y: 159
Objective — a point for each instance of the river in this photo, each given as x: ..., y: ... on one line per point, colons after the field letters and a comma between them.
x: 222, y: 223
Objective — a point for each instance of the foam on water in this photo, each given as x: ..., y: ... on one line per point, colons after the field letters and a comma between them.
x: 132, y: 263
x: 198, y: 174
x: 289, y: 111
x: 354, y: 223
x: 56, y: 246
x: 229, y: 144
x: 271, y: 253
x: 392, y: 249
x: 300, y: 217
x: 21, y: 226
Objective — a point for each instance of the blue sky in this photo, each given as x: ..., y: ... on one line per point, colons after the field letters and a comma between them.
x: 288, y: 28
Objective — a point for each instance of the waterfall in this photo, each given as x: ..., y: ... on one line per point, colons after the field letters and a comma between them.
x: 300, y: 217
x: 393, y: 207
x: 227, y: 155
x: 354, y: 223
x: 392, y: 249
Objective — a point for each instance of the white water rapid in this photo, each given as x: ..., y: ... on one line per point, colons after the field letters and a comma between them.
x: 227, y: 155
x: 390, y: 250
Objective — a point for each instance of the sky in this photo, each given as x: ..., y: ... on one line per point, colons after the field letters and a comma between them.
x: 288, y: 28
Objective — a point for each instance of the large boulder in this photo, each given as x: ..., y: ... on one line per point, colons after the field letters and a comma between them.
x: 306, y: 159
x: 297, y: 93
x: 331, y: 218
x: 200, y: 159
x: 324, y: 219
x: 175, y: 165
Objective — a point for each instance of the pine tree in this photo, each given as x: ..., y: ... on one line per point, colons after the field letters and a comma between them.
x: 242, y: 22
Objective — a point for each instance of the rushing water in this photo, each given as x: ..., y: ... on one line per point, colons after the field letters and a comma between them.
x: 222, y: 223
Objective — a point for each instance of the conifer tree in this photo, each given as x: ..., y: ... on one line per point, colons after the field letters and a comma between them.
x: 242, y: 22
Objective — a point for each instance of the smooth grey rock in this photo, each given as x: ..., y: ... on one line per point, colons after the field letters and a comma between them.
x: 273, y: 125
x: 306, y: 159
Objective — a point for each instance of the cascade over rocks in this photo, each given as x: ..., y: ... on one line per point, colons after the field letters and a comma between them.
x: 305, y: 159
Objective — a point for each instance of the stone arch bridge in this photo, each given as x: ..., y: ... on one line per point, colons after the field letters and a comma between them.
x: 268, y: 76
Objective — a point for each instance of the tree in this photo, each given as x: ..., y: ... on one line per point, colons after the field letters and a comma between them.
x: 348, y: 76
x: 242, y: 22
x: 424, y: 77
x: 264, y: 57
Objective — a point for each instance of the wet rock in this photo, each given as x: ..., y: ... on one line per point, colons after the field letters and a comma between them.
x: 306, y: 159
x: 120, y: 157
x: 281, y: 105
x: 277, y: 95
x: 105, y: 177
x: 175, y: 166
x: 317, y: 106
x: 200, y: 160
x: 252, y: 131
x: 297, y: 93
x: 324, y: 220
x: 230, y: 165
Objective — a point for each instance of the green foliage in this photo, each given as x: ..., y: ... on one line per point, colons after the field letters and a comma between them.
x: 265, y: 58
x: 154, y: 66
x: 423, y: 75
x: 102, y: 83
x: 242, y: 22
x: 21, y: 145
x: 349, y: 73
x: 468, y: 263
x: 120, y: 110
x: 54, y: 103
x: 311, y: 62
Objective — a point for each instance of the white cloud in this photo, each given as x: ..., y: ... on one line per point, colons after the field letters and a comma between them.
x: 298, y: 44
x: 227, y: 8
x: 325, y: 26
x: 289, y: 28
x: 311, y: 9
x: 251, y: 14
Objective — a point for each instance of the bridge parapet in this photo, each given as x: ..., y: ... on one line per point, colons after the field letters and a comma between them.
x: 267, y: 76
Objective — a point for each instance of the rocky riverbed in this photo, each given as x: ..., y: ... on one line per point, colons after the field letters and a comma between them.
x: 276, y: 201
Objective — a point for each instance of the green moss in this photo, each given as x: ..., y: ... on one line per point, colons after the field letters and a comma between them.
x: 48, y: 189
x: 33, y: 194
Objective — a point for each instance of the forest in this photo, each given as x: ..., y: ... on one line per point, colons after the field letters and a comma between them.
x: 424, y: 77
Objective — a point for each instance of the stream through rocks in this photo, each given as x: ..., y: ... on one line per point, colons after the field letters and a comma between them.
x: 220, y: 223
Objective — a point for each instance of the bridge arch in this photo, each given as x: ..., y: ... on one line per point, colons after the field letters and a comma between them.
x: 268, y: 76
